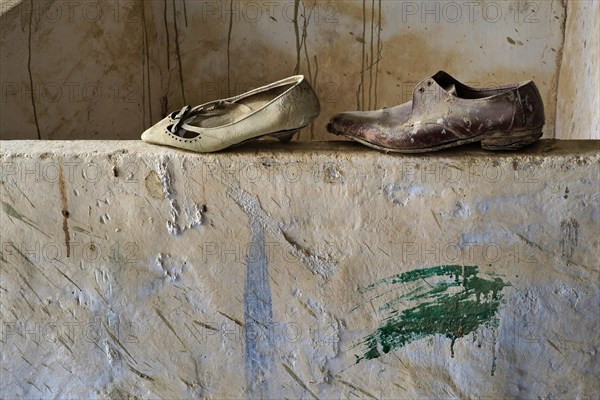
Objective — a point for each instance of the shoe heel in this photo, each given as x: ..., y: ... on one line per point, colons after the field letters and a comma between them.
x: 511, y: 141
x: 285, y: 136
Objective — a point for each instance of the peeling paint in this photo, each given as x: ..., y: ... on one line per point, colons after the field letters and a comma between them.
x: 180, y: 218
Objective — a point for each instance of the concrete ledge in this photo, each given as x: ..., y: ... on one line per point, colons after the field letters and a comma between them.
x: 310, y: 270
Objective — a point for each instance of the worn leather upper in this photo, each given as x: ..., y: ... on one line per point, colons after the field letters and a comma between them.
x: 444, y: 110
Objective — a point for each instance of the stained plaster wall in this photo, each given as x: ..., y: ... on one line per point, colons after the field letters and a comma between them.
x: 137, y: 271
x: 578, y: 103
x: 108, y: 69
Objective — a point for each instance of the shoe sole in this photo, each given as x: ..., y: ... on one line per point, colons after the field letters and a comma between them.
x: 286, y: 136
x: 282, y: 136
x: 494, y: 141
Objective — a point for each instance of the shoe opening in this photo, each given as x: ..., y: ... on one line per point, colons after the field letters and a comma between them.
x: 226, y: 113
x: 458, y: 89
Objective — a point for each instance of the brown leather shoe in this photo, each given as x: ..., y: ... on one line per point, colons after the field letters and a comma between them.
x: 446, y: 113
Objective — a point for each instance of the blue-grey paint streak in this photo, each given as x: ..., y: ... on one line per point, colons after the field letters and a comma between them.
x: 258, y: 317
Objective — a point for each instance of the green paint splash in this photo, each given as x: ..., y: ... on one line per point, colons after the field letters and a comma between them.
x: 448, y: 300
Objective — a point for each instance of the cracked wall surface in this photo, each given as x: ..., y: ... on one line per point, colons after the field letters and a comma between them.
x: 108, y: 70
x: 322, y: 271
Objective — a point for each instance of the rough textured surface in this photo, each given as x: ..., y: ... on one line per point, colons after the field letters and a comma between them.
x: 64, y: 64
x: 578, y: 105
x: 302, y: 271
x: 109, y: 69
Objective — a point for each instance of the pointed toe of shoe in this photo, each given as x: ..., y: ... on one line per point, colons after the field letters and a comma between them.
x: 146, y: 136
x: 150, y: 136
x: 155, y: 134
x: 357, y: 125
x: 343, y: 124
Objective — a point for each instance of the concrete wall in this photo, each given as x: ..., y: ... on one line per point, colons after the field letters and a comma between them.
x: 107, y: 69
x: 579, y: 85
x: 72, y: 70
x: 133, y: 271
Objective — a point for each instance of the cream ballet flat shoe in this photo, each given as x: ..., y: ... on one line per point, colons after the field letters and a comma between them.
x: 279, y: 109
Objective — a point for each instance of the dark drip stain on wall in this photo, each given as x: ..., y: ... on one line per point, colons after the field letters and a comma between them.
x: 65, y: 208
